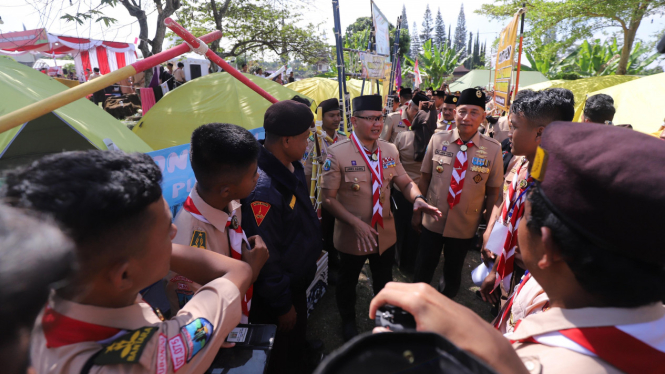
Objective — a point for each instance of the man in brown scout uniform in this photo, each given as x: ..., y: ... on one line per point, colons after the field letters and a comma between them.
x: 356, y: 184
x: 400, y: 120
x: 446, y: 119
x: 405, y: 95
x: 462, y: 173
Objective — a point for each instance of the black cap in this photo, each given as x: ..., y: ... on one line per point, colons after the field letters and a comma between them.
x: 606, y: 183
x: 367, y: 102
x: 405, y: 91
x: 472, y: 96
x: 301, y: 99
x: 451, y: 99
x: 418, y: 97
x: 329, y: 105
x: 287, y: 118
x: 401, y: 352
x: 439, y: 93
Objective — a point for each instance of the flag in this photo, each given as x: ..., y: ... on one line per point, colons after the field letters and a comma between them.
x: 136, y: 40
x: 398, y: 74
x: 417, y: 80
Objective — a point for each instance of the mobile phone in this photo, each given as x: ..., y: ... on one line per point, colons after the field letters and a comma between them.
x: 251, y: 353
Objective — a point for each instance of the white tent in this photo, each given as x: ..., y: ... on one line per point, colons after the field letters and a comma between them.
x: 195, y: 65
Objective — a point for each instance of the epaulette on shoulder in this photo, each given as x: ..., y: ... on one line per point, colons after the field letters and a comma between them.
x: 338, y: 144
x: 492, y: 140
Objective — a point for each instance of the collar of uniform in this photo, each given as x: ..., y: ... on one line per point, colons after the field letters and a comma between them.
x: 556, y: 319
x: 270, y: 165
x: 131, y: 317
x: 475, y: 138
x: 216, y: 217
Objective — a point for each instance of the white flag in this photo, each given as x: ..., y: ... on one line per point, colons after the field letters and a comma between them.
x: 417, y: 80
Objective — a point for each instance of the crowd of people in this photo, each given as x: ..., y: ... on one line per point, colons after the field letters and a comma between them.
x: 571, y: 214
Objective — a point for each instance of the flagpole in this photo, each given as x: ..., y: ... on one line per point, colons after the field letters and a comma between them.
x: 519, y: 57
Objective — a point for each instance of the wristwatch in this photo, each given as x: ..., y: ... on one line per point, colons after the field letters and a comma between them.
x: 421, y: 197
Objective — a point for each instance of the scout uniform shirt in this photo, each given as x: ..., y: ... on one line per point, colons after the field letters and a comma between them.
x: 442, y: 124
x: 346, y: 172
x: 307, y: 158
x: 405, y: 147
x: 204, y: 227
x: 462, y: 220
x: 501, y: 129
x: 396, y: 122
x: 529, y: 298
x: 75, y: 338
x: 613, y: 340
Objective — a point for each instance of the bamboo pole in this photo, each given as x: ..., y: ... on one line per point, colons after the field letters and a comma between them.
x: 315, y: 154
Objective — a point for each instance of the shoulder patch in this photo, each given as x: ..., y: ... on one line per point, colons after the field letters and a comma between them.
x: 260, y: 210
x: 326, y: 165
x: 199, y: 239
x: 178, y: 352
x: 197, y: 334
x: 162, y: 363
x: 126, y: 349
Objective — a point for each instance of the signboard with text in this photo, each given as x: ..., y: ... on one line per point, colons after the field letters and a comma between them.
x: 504, y: 64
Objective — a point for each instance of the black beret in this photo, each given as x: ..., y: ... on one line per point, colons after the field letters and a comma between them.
x: 420, y: 96
x: 367, y: 102
x: 451, y: 99
x: 606, y: 183
x: 301, y: 99
x: 439, y: 93
x: 405, y: 91
x: 329, y: 105
x: 472, y: 96
x: 287, y: 118
x: 401, y: 352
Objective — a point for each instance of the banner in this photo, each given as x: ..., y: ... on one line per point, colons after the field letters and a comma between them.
x: 381, y: 31
x: 504, y: 63
x: 177, y: 174
x: 372, y: 66
x: 417, y: 79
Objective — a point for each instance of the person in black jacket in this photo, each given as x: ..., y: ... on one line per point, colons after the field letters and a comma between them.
x: 280, y: 211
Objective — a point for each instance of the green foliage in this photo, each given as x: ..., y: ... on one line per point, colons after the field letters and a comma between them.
x: 435, y: 64
x: 359, y: 30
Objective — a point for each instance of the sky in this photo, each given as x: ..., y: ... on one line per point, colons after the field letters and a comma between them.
x: 46, y: 13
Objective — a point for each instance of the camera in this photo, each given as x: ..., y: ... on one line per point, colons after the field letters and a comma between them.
x: 395, y: 318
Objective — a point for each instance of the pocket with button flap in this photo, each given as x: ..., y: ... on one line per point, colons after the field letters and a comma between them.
x: 440, y: 164
x: 355, y: 181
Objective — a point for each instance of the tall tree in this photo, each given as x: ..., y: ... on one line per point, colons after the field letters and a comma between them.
x: 415, y: 42
x: 469, y: 51
x: 476, y: 51
x: 364, y: 24
x: 459, y: 42
x: 405, y: 21
x: 439, y: 30
x: 579, y: 19
x: 450, y: 35
x: 428, y: 26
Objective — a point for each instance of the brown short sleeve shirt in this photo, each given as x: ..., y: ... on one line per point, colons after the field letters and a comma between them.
x: 307, y: 158
x: 405, y: 147
x: 346, y: 172
x: 462, y: 220
x: 394, y: 124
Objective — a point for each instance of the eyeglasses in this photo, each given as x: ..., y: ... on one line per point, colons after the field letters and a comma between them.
x: 372, y: 119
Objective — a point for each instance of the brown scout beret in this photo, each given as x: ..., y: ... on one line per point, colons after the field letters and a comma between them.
x: 606, y: 183
x: 287, y: 118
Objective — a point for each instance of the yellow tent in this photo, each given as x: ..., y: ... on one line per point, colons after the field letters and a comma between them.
x: 639, y: 102
x: 583, y: 87
x: 321, y: 89
x: 212, y: 98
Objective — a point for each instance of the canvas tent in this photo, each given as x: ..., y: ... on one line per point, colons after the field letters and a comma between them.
x: 323, y: 88
x: 195, y: 65
x: 77, y: 126
x: 483, y: 78
x: 216, y: 97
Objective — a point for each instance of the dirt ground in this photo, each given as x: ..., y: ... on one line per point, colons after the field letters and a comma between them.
x: 326, y: 324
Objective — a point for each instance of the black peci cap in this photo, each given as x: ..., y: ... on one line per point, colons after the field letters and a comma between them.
x: 405, y: 91
x: 420, y: 96
x: 439, y: 93
x: 451, y: 99
x: 287, y: 118
x: 472, y: 96
x: 367, y: 102
x: 329, y: 105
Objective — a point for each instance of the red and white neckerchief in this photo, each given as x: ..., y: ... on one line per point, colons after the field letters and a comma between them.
x: 459, y: 173
x: 634, y: 349
x: 373, y: 162
x: 509, y: 304
x: 511, y: 214
x: 236, y: 238
x: 405, y: 120
x: 60, y: 330
x: 449, y: 125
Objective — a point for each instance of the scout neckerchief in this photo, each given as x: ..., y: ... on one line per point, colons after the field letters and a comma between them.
x: 449, y: 125
x: 373, y: 161
x: 60, y: 330
x: 459, y: 172
x: 511, y: 300
x: 633, y: 349
x: 236, y: 237
x: 405, y: 120
x: 511, y: 214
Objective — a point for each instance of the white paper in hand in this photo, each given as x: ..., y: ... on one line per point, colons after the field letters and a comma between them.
x: 497, y: 238
x: 479, y: 274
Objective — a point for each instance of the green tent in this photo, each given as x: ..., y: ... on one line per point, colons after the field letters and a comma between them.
x: 217, y: 97
x: 80, y: 125
x: 483, y: 78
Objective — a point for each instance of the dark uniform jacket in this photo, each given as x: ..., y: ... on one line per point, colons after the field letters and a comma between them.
x: 280, y: 211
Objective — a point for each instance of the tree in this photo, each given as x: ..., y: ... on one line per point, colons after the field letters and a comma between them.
x: 476, y: 51
x: 415, y: 42
x: 405, y: 21
x: 435, y: 64
x: 439, y: 30
x: 577, y: 19
x: 428, y: 26
x: 449, y: 36
x: 469, y: 49
x: 363, y: 24
x: 459, y: 42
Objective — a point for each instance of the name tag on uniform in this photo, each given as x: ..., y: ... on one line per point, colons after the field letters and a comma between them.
x: 350, y: 169
x: 443, y: 153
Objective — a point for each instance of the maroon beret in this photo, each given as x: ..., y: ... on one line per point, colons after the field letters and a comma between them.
x: 287, y: 118
x: 608, y: 184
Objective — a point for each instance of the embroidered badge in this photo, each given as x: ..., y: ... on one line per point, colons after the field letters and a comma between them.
x: 477, y: 178
x: 444, y: 148
x: 304, y: 158
x: 178, y: 352
x: 126, y: 349
x: 162, y: 364
x: 445, y: 142
x: 326, y: 165
x: 353, y: 162
x: 260, y: 210
x: 199, y: 239
x: 388, y: 162
x: 351, y: 169
x: 197, y: 334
